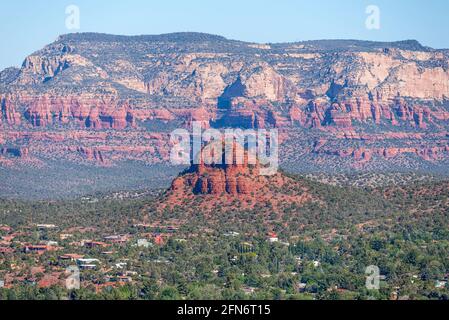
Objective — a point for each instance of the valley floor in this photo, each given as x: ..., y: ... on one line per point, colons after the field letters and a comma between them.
x: 125, y: 248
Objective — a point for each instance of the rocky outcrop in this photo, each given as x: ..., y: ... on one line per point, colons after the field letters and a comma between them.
x: 220, y: 178
x: 41, y: 68
x: 94, y: 112
x: 15, y: 152
x: 104, y: 113
x: 91, y: 154
x: 8, y: 111
x: 234, y: 183
x: 93, y: 120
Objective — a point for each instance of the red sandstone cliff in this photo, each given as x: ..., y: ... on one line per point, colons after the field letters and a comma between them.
x: 235, y: 182
x: 85, y: 90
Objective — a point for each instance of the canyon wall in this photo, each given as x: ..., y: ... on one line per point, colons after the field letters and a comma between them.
x: 99, y: 98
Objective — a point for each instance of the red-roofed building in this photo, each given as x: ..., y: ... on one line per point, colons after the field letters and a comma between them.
x: 159, y: 240
x: 5, y: 228
x: 36, y: 248
x: 273, y: 237
x: 8, y: 238
x: 40, y: 248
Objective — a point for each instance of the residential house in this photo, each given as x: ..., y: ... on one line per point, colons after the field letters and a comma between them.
x: 94, y: 244
x: 119, y: 239
x: 87, y: 261
x: 65, y: 236
x: 40, y: 249
x: 46, y: 226
x: 249, y: 290
x: 121, y: 265
x: 231, y: 234
x: 158, y: 240
x: 5, y: 228
x: 143, y: 243
x: 87, y: 264
x: 440, y: 284
x: 272, y: 237
x: 124, y: 279
x: 71, y: 256
x: 301, y: 287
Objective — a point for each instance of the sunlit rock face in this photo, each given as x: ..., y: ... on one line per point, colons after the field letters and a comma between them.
x: 100, y: 98
x: 231, y: 185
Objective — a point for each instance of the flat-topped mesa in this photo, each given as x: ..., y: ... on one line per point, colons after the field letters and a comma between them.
x: 98, y: 91
x: 255, y: 85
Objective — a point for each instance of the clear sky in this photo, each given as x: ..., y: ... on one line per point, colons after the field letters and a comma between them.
x: 28, y: 25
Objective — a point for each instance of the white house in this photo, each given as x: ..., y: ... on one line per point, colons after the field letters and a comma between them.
x: 87, y: 261
x: 440, y: 284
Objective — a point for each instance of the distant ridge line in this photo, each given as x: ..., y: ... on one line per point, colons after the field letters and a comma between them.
x: 410, y: 44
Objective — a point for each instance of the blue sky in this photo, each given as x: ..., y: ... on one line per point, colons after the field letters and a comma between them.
x: 28, y: 25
